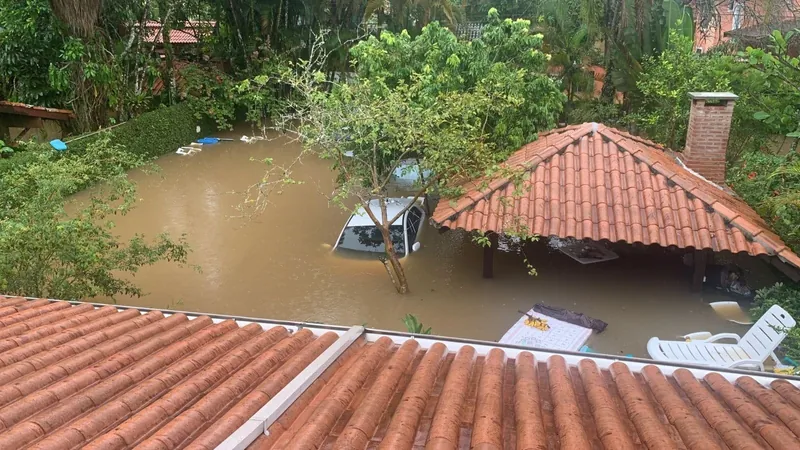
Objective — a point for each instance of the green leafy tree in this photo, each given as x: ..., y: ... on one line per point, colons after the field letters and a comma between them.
x: 572, y: 42
x: 210, y: 93
x: 787, y: 297
x: 771, y: 184
x: 456, y: 109
x: 29, y: 42
x: 54, y: 246
x: 508, y: 60
x: 782, y: 72
x: 367, y: 130
x: 665, y: 83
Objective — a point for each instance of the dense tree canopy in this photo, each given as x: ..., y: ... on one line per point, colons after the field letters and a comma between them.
x: 454, y: 108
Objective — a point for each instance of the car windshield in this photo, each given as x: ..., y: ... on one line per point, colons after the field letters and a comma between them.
x: 369, y: 239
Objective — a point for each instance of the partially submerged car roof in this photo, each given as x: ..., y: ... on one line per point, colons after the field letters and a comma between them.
x: 393, y: 206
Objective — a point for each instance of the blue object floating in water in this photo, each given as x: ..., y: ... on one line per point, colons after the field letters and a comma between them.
x: 208, y: 140
x: 58, y: 144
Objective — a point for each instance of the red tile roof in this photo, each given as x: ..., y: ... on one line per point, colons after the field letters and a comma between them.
x: 80, y: 376
x: 23, y: 109
x: 189, y: 34
x: 594, y: 182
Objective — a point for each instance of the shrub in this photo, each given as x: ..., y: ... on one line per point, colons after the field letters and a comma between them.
x: 759, y: 180
x: 54, y: 246
x: 593, y: 111
x: 209, y: 92
x: 665, y: 83
x: 787, y: 297
x: 17, y: 159
x: 151, y: 134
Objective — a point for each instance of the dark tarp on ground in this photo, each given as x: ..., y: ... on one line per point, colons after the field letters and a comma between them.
x: 572, y: 317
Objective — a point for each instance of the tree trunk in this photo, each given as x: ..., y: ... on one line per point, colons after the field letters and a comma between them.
x: 393, y: 265
x: 166, y: 71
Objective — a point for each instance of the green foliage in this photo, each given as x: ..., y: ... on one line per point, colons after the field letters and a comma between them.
x: 151, y: 134
x: 456, y: 109
x: 17, y: 159
x: 412, y: 15
x: 665, y: 83
x: 787, y: 297
x: 571, y: 41
x: 5, y: 150
x: 507, y: 62
x: 29, y: 41
x: 593, y: 111
x: 782, y: 74
x: 380, y: 127
x: 763, y: 181
x: 262, y: 95
x: 52, y: 245
x: 661, y: 109
x: 210, y: 94
x: 413, y: 325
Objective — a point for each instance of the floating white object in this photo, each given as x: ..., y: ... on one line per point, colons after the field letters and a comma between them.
x: 251, y: 139
x: 588, y: 252
x: 732, y: 312
x: 187, y: 151
x: 560, y: 336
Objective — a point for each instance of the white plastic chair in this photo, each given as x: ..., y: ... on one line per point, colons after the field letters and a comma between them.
x: 751, y: 350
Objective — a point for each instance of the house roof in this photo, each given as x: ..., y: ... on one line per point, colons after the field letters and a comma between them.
x: 189, y: 34
x: 23, y: 109
x: 590, y: 181
x: 81, y: 375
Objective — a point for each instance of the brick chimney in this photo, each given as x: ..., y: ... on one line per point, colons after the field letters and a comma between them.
x: 707, y: 136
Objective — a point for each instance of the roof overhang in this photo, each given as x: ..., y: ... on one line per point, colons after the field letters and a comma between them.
x: 593, y: 182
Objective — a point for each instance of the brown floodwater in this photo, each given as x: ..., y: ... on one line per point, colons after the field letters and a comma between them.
x: 279, y: 264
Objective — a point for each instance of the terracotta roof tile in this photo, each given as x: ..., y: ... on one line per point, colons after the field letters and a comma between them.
x: 490, y: 401
x: 157, y: 381
x: 610, y: 185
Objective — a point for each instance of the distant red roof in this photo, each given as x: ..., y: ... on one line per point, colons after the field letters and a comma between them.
x: 594, y: 182
x: 189, y: 34
x: 106, y: 377
x: 22, y: 109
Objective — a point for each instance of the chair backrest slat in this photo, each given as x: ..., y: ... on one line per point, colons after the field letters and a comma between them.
x: 766, y: 334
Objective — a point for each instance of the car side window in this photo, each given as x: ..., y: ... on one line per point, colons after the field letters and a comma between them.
x: 413, y: 222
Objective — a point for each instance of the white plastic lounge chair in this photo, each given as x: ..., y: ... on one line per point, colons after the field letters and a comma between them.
x: 749, y: 351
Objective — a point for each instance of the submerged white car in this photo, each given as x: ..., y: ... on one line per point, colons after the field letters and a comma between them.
x: 360, y: 235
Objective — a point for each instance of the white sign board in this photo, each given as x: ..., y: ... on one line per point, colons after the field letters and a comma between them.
x: 560, y: 335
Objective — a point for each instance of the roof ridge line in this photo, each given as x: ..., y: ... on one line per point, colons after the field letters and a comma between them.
x: 259, y: 423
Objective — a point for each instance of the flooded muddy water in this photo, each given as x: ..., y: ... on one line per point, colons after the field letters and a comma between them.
x: 279, y: 265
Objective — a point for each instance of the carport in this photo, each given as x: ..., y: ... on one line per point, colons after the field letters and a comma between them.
x: 593, y: 182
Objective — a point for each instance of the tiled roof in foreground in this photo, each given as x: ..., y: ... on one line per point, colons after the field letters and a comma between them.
x: 594, y: 182
x: 82, y: 376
